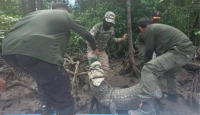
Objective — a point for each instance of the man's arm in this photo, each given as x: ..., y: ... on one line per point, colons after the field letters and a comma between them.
x: 78, y: 28
x: 94, y: 30
x: 140, y: 46
x: 149, y: 45
x: 139, y: 42
x: 118, y: 39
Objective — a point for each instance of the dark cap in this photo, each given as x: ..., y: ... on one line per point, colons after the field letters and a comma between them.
x: 156, y: 15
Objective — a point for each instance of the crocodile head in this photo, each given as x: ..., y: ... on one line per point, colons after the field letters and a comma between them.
x: 101, y: 91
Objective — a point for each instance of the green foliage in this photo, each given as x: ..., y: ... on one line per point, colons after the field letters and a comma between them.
x: 6, y: 21
x: 197, y: 33
x: 76, y: 41
x: 88, y: 18
x: 10, y: 12
x: 94, y: 14
x: 11, y: 7
x: 177, y: 13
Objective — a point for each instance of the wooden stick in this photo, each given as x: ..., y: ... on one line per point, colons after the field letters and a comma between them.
x: 74, y: 80
x: 78, y: 74
x: 107, y: 84
x: 10, y: 68
x: 17, y: 83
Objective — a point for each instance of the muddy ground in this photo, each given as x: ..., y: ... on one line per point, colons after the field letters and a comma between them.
x: 20, y: 100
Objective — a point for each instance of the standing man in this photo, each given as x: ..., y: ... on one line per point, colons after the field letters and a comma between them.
x: 173, y: 49
x: 102, y: 33
x: 36, y: 45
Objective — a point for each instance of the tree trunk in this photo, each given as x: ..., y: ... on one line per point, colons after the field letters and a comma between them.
x: 24, y: 7
x: 95, y: 4
x: 31, y: 6
x: 131, y: 50
x: 40, y: 4
x: 193, y: 27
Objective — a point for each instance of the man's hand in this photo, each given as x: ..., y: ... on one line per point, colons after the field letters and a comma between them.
x: 124, y: 37
x: 2, y: 85
x: 96, y: 51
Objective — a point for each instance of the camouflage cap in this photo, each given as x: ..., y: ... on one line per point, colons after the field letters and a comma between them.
x: 110, y: 17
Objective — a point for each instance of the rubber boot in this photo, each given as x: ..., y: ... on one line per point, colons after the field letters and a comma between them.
x: 47, y: 110
x: 45, y: 106
x: 69, y: 111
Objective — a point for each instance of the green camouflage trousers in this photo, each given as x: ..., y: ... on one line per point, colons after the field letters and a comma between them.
x: 102, y: 57
x: 169, y: 63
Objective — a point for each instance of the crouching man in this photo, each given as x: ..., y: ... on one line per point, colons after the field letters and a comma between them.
x: 173, y: 49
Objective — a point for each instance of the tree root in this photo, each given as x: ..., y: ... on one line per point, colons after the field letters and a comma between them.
x: 75, y: 79
x: 17, y: 83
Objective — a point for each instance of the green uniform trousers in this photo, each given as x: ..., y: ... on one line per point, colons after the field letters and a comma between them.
x: 168, y: 62
x: 170, y: 75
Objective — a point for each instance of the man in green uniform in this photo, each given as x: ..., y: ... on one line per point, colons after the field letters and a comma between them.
x: 36, y: 45
x: 170, y: 76
x: 103, y: 32
x: 173, y: 49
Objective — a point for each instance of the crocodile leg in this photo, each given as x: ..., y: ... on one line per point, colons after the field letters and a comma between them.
x: 113, y: 108
x: 103, y: 109
x: 109, y: 103
x: 93, y: 102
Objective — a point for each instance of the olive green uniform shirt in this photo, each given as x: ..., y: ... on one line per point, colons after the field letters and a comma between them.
x: 163, y: 38
x: 44, y: 35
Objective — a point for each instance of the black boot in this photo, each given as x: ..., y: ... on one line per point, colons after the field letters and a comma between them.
x: 45, y: 106
x: 69, y: 111
x: 47, y: 110
x: 173, y: 97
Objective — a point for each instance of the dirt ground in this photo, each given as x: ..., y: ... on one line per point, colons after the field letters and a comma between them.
x: 20, y: 100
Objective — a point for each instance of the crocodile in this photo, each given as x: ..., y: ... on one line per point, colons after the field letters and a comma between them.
x: 113, y: 97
